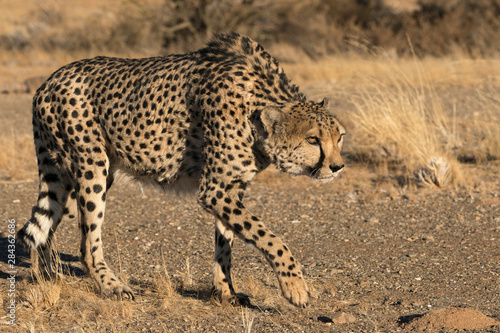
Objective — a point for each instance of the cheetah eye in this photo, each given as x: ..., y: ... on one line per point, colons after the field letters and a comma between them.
x: 312, y: 140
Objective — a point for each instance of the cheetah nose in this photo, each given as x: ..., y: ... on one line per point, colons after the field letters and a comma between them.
x: 336, y: 168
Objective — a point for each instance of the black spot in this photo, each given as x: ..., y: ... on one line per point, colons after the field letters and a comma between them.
x: 237, y: 227
x: 247, y: 225
x: 93, y: 226
x: 89, y: 175
x: 90, y: 206
x: 280, y: 253
x: 261, y: 233
x: 97, y: 188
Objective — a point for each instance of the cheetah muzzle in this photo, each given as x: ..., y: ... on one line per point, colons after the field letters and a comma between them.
x: 213, y: 118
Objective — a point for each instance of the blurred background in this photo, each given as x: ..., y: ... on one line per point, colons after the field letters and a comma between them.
x: 315, y: 27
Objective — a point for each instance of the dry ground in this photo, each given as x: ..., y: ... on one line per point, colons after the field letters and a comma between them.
x: 380, y: 252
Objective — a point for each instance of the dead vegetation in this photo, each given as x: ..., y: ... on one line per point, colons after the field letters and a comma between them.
x: 317, y: 27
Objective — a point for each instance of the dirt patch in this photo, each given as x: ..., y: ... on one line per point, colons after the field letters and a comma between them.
x: 451, y: 318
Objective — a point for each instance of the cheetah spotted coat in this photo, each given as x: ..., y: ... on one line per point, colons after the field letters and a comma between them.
x: 208, y: 120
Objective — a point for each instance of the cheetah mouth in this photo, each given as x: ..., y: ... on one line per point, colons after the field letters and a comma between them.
x: 326, y: 179
x: 317, y: 175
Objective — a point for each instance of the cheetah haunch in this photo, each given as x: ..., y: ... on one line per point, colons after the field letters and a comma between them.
x: 213, y: 118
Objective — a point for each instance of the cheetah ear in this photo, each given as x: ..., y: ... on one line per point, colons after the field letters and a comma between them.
x: 271, y: 118
x: 325, y: 103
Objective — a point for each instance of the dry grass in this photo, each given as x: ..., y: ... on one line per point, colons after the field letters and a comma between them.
x: 402, y: 124
x: 47, y: 304
x: 247, y: 319
x: 480, y: 132
x: 361, y: 72
x: 72, y: 302
x: 17, y: 157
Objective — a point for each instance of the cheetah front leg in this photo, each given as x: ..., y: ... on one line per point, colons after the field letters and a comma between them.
x: 226, y: 205
x: 91, y: 191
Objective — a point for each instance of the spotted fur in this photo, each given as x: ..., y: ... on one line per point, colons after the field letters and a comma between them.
x: 212, y: 119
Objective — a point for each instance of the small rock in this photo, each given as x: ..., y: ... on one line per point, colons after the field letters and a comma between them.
x: 343, y: 318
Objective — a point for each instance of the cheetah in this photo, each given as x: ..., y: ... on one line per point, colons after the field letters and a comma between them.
x: 209, y: 120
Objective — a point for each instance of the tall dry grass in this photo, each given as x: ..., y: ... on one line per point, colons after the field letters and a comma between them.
x: 480, y: 131
x: 401, y: 122
x: 354, y: 72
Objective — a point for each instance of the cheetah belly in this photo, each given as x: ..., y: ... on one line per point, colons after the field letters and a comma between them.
x: 167, y: 153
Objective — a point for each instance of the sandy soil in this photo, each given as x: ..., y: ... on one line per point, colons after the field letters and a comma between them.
x: 377, y: 256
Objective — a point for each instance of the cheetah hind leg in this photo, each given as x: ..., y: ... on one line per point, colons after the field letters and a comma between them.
x: 45, y: 260
x: 223, y: 290
x: 37, y: 235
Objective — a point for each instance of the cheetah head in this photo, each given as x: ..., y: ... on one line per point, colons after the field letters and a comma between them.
x: 304, y: 138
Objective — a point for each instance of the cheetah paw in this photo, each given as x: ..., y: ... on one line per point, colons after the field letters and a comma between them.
x: 120, y: 291
x: 237, y: 299
x: 295, y: 290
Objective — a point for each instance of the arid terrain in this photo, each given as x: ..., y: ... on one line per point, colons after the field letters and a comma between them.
x: 374, y: 250
x: 407, y: 239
